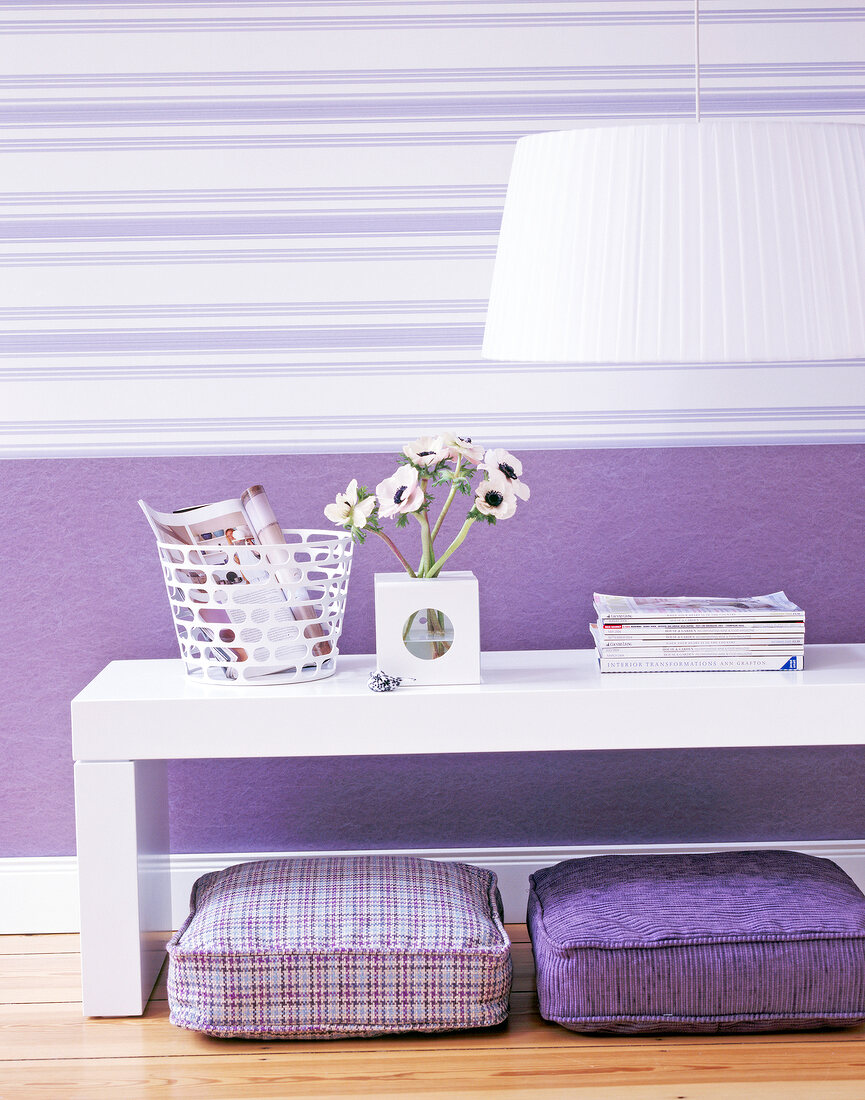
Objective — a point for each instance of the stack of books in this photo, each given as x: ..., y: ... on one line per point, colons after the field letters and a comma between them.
x: 694, y: 634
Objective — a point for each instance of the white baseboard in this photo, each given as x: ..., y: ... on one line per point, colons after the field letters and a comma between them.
x: 40, y: 894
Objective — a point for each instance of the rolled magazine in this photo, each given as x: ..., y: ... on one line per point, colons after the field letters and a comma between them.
x: 261, y: 516
x: 226, y: 535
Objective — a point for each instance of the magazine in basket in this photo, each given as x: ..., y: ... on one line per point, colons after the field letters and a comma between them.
x: 227, y: 534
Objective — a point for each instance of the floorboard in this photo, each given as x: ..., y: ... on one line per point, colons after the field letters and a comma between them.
x: 49, y: 1050
x: 39, y: 945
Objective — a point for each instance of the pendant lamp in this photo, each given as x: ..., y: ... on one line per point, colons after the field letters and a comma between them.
x: 683, y: 242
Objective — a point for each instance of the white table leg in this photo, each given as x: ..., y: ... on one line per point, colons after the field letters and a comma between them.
x: 121, y: 816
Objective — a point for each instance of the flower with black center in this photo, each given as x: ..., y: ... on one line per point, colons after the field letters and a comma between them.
x: 347, y: 510
x: 495, y: 497
x: 427, y: 451
x: 399, y: 493
x: 442, y: 461
x: 509, y: 466
x: 462, y: 447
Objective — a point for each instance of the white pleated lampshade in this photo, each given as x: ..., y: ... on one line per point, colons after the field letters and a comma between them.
x: 683, y: 242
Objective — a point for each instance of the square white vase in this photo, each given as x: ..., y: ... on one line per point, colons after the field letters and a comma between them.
x: 427, y: 630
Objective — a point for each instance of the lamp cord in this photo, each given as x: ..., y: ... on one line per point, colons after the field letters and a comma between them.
x: 697, y: 58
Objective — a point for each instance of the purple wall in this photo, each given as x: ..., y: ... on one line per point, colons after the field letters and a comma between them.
x: 697, y: 520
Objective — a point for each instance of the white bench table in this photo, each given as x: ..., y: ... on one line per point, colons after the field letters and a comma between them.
x: 136, y: 715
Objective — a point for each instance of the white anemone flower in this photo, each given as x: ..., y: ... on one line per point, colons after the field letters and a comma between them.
x: 400, y: 492
x: 428, y: 451
x: 347, y: 510
x: 495, y: 497
x: 460, y: 446
x: 509, y: 466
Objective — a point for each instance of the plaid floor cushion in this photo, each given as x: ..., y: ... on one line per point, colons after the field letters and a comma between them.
x: 334, y: 947
x: 730, y: 941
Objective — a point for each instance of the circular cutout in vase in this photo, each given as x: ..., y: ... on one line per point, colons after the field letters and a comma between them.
x: 428, y: 633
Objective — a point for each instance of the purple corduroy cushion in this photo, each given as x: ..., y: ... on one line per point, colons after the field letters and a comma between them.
x: 339, y: 946
x: 726, y: 941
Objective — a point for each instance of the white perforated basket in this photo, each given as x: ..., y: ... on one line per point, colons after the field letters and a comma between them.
x: 268, y: 614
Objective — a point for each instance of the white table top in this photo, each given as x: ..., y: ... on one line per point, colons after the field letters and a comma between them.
x: 527, y: 701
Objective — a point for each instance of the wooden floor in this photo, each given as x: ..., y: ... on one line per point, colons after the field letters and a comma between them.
x: 47, y: 1049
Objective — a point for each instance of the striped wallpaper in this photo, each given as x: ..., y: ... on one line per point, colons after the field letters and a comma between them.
x: 238, y: 227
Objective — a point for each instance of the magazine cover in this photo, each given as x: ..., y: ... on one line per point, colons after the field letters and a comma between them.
x: 794, y: 662
x: 671, y: 628
x: 229, y: 534
x: 695, y: 608
x: 715, y: 644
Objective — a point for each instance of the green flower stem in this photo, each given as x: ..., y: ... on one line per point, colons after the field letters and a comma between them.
x: 390, y: 543
x: 427, y: 556
x: 464, y: 530
x: 436, y: 626
x: 435, y: 630
x: 426, y: 541
x: 409, y: 624
x: 449, y: 498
